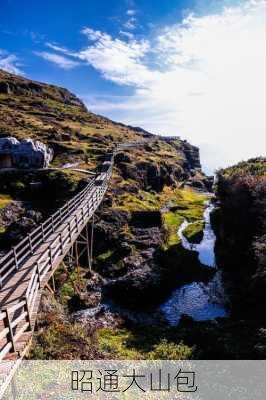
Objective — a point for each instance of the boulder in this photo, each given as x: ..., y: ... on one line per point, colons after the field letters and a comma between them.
x: 24, y: 154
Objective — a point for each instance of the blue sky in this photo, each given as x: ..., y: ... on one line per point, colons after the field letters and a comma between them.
x: 193, y: 68
x: 28, y: 25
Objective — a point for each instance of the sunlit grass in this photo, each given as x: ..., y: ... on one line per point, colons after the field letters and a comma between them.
x: 4, y: 200
x: 150, y: 343
x: 194, y: 232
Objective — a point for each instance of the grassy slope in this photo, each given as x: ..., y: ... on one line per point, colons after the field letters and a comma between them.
x: 255, y: 167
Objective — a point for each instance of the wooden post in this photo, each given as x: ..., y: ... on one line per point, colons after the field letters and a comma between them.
x: 28, y: 313
x: 53, y: 282
x: 61, y: 243
x: 69, y: 228
x: 50, y: 255
x: 83, y: 219
x: 8, y: 325
x: 88, y: 247
x: 76, y: 254
x: 30, y: 242
x: 38, y: 272
x: 43, y: 236
x: 91, y: 243
x: 52, y: 223
x: 77, y: 224
x: 77, y: 261
x: 15, y: 257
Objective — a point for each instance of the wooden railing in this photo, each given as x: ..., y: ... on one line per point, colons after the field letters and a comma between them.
x: 61, y: 231
x: 42, y: 251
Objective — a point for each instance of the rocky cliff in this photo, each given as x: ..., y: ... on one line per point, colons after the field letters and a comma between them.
x: 241, y: 230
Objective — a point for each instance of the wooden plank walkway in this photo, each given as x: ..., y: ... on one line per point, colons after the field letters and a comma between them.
x: 27, y: 268
x: 30, y: 270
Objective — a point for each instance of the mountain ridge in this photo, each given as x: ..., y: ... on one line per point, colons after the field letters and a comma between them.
x: 59, y: 118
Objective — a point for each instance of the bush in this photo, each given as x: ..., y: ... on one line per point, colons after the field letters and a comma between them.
x: 170, y: 351
x: 17, y: 188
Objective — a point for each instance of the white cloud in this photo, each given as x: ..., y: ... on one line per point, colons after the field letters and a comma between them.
x: 118, y: 60
x: 131, y: 12
x: 94, y: 35
x: 207, y: 82
x: 10, y: 63
x: 202, y: 79
x: 131, y: 23
x: 57, y: 48
x: 128, y: 35
x: 61, y: 61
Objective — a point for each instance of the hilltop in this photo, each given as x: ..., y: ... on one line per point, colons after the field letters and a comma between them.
x: 57, y: 117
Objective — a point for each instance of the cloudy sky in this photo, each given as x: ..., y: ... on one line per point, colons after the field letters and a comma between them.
x: 192, y: 68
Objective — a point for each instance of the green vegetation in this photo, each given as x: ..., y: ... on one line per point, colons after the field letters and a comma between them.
x: 73, y: 281
x: 61, y: 340
x: 104, y: 256
x: 4, y: 200
x: 142, y: 201
x: 185, y: 204
x: 189, y: 205
x: 172, y: 220
x: 144, y: 343
x: 253, y: 167
x: 194, y: 232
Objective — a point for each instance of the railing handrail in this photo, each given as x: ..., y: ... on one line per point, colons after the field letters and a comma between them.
x: 88, y: 201
x: 72, y: 218
x: 20, y: 316
x: 29, y: 241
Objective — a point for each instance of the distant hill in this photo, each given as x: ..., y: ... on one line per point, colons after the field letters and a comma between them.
x: 57, y: 117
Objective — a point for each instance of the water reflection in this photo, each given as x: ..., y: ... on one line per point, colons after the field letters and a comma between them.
x: 206, y: 247
x: 198, y: 300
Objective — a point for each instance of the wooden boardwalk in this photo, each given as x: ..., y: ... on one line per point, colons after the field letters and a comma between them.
x: 27, y: 268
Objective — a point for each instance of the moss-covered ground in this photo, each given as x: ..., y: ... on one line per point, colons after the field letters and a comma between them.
x: 194, y: 232
x: 4, y: 200
x: 143, y: 343
x: 187, y: 204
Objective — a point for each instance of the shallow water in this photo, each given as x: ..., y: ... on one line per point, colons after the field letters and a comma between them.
x: 199, y: 300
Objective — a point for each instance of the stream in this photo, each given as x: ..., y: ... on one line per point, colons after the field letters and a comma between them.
x: 198, y: 300
x: 201, y: 301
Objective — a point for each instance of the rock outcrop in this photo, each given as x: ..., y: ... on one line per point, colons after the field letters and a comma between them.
x: 24, y: 154
x: 241, y: 230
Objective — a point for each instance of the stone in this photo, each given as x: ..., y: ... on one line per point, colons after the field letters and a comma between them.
x: 4, y: 88
x: 24, y: 154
